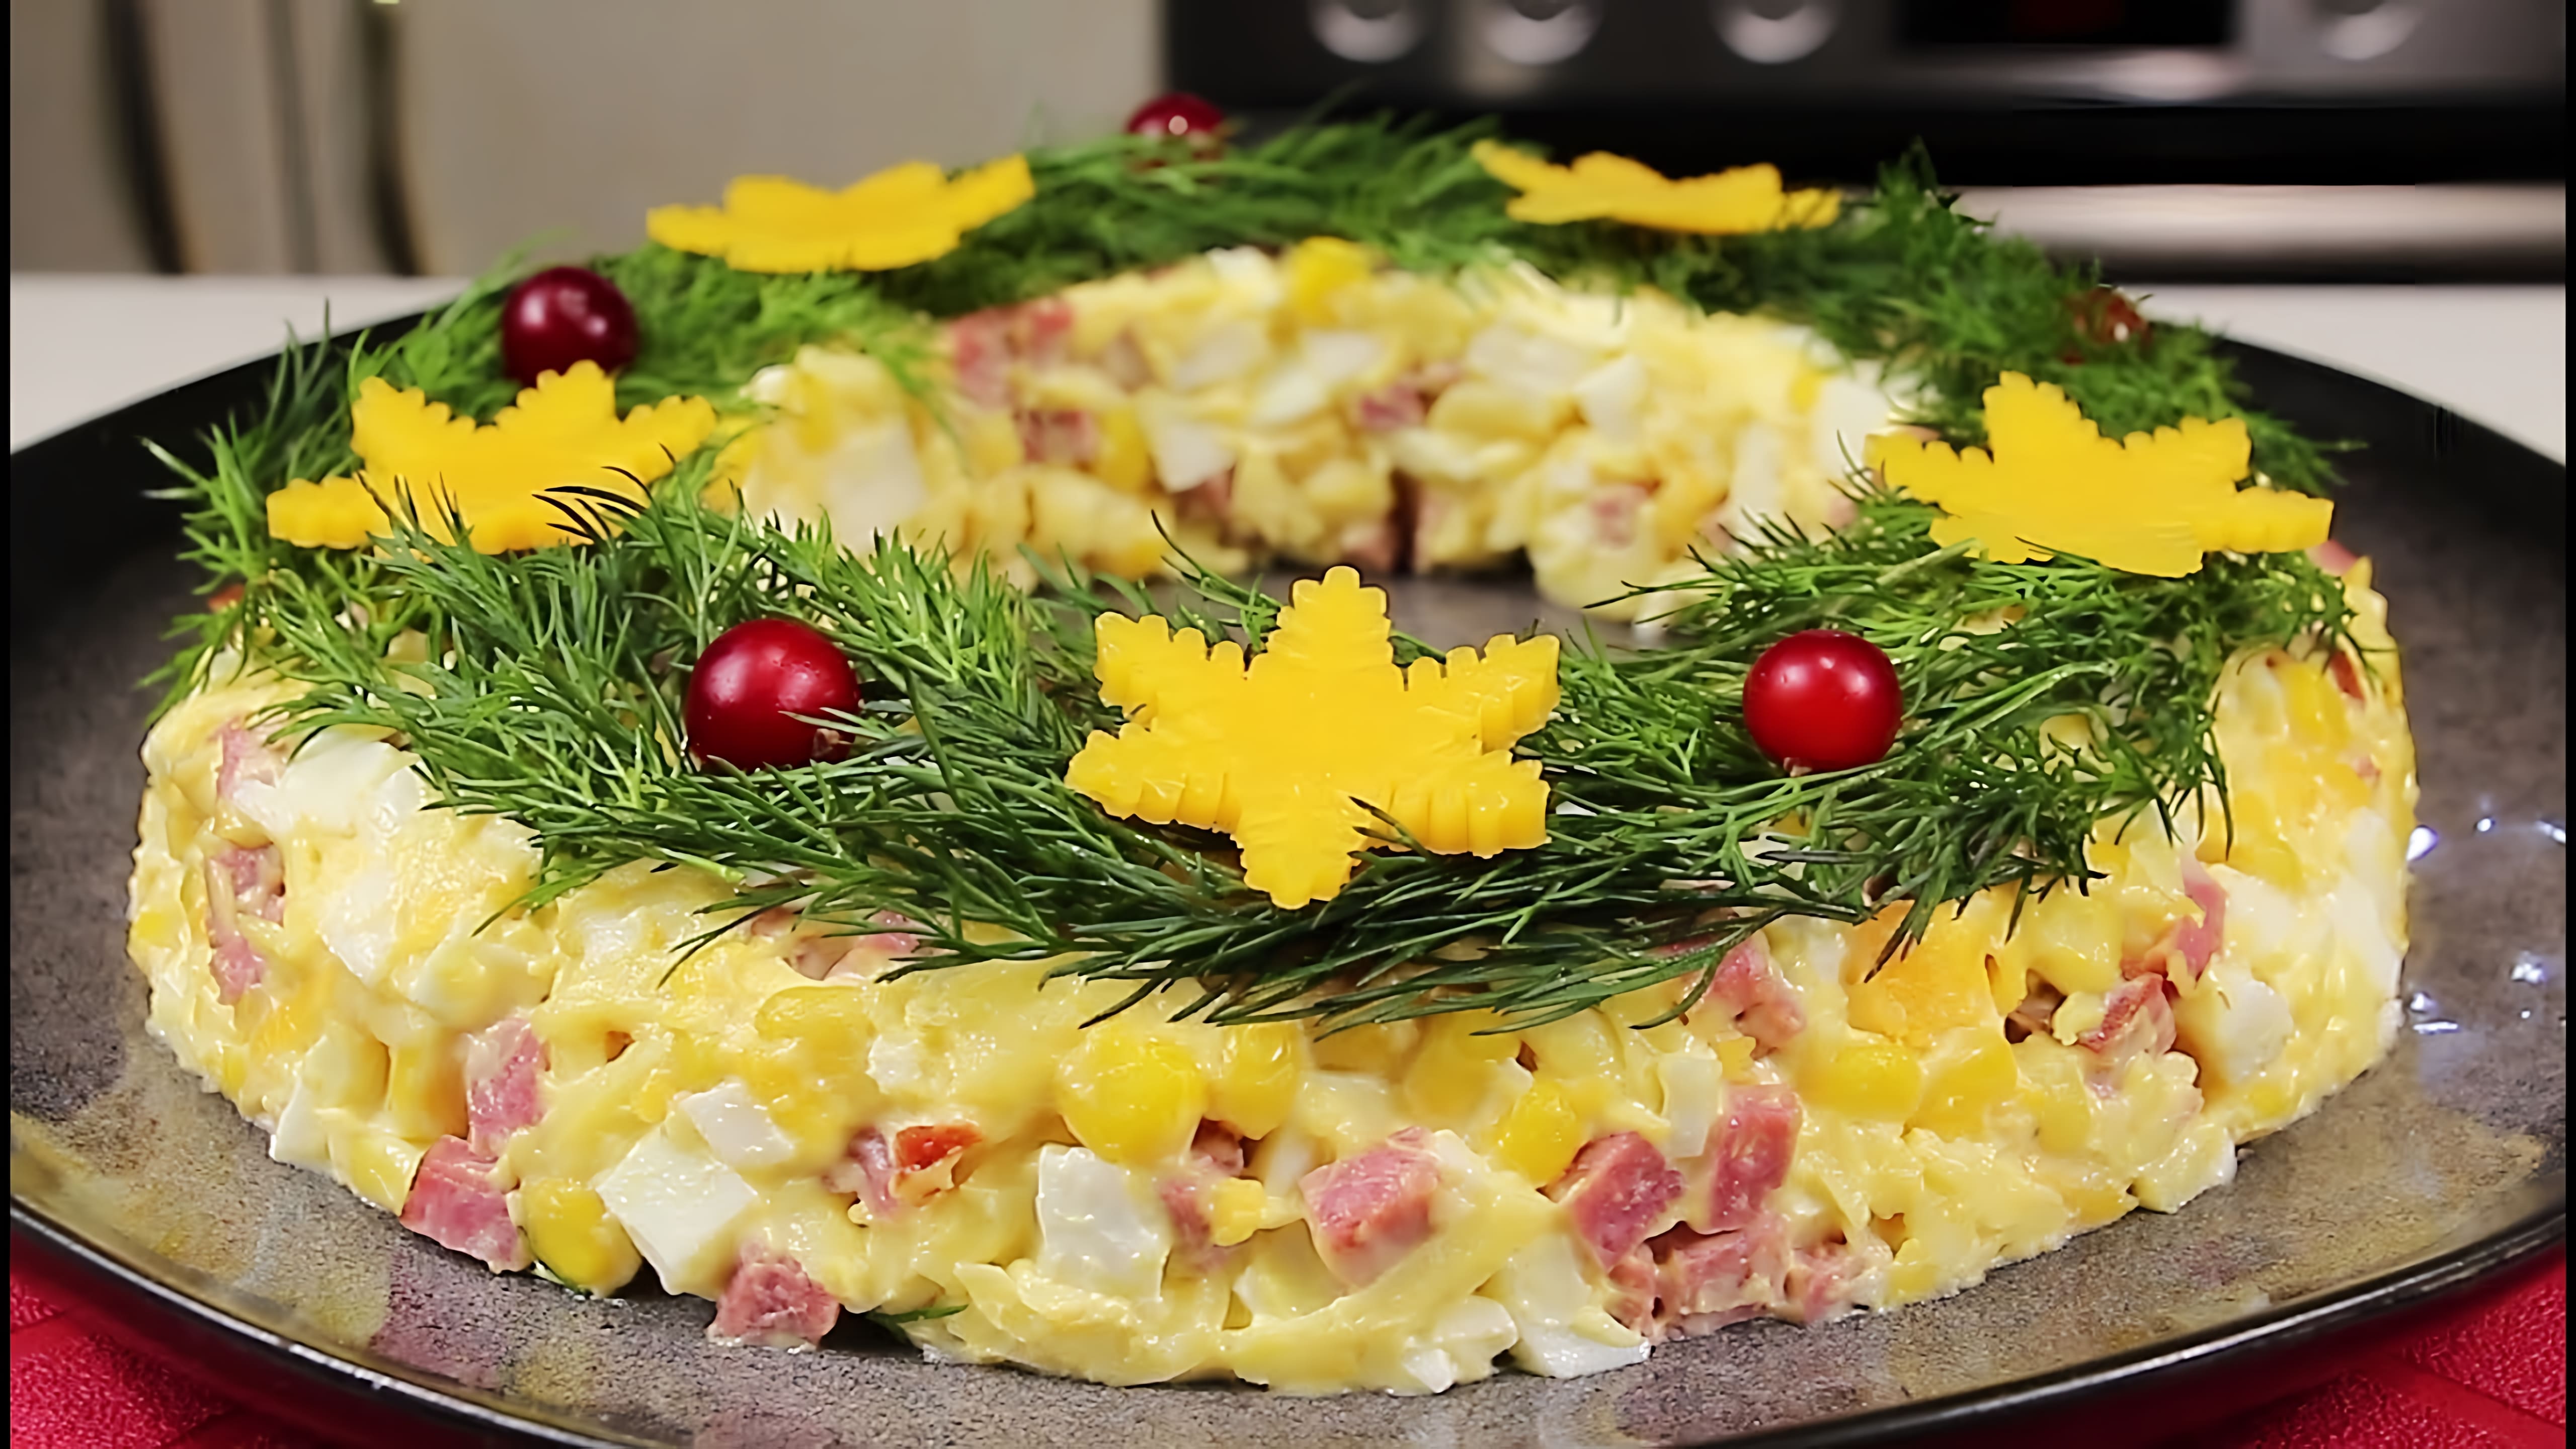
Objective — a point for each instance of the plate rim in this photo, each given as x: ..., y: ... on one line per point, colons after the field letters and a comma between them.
x: 2428, y: 1279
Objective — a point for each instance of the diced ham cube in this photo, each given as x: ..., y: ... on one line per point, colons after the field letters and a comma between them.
x: 2137, y: 1020
x: 1211, y: 501
x: 456, y: 1203
x: 1125, y: 362
x: 236, y: 964
x: 256, y: 878
x: 769, y: 1302
x: 2198, y: 941
x: 246, y: 757
x: 1708, y: 1280
x: 1615, y: 510
x: 1616, y: 1193
x: 1633, y: 1291
x: 825, y: 956
x: 1384, y: 410
x: 2347, y: 673
x: 867, y: 1172
x: 1220, y: 1147
x: 1823, y: 1282
x: 1368, y: 1211
x: 1748, y: 989
x: 979, y: 349
x: 1374, y: 548
x: 2187, y: 946
x: 1068, y: 437
x: 915, y: 1163
x: 925, y: 1157
x: 501, y: 1066
x: 1765, y: 1006
x: 1040, y: 330
x: 1748, y: 1156
x: 2333, y: 557
x: 1216, y: 1153
x: 1187, y: 1198
x: 1434, y: 378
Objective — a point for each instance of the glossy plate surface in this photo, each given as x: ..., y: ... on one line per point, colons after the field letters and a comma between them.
x: 2442, y: 1165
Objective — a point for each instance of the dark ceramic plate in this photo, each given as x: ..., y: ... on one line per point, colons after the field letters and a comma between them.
x: 2439, y: 1168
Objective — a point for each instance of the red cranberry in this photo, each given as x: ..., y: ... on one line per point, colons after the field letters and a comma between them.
x: 565, y: 315
x: 1823, y: 700
x: 2105, y: 318
x: 1179, y: 114
x: 746, y: 690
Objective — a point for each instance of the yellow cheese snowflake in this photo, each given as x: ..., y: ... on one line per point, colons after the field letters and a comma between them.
x: 901, y: 215
x: 2049, y: 482
x: 1600, y: 185
x: 565, y: 430
x: 1275, y: 754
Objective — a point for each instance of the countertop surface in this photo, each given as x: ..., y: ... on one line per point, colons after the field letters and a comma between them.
x: 82, y: 345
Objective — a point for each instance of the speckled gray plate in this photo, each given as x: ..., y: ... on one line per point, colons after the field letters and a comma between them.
x: 2444, y: 1164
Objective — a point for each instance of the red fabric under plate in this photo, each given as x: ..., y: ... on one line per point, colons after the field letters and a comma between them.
x: 2495, y: 1378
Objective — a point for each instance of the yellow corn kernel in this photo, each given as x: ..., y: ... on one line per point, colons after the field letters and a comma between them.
x: 231, y: 1066
x: 2074, y: 939
x: 1123, y: 462
x: 155, y: 929
x: 378, y: 1166
x: 2315, y: 706
x: 1973, y: 1073
x: 1319, y: 267
x: 1455, y: 1066
x: 992, y: 443
x: 1541, y: 1134
x: 830, y: 1022
x: 1940, y: 982
x: 1806, y: 387
x: 818, y: 1104
x: 1257, y: 1075
x: 292, y: 1025
x: 1869, y: 1077
x: 2255, y: 847
x: 1378, y: 1050
x: 2272, y: 1098
x: 1131, y: 1098
x: 1735, y: 1054
x: 425, y: 1090
x: 570, y: 1231
x: 1236, y: 1213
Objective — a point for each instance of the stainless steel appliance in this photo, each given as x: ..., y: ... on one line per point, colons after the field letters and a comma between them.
x: 2004, y: 93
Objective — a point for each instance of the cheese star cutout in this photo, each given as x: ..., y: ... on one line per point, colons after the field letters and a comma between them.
x: 565, y: 430
x: 1276, y: 753
x: 1600, y: 185
x: 902, y: 215
x: 2049, y: 482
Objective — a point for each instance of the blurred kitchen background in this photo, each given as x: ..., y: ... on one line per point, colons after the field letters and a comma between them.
x: 2182, y: 141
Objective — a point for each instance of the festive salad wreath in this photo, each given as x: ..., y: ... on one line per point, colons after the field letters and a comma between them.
x: 548, y: 597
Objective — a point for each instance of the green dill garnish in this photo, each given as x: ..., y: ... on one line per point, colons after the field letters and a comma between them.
x: 928, y: 1313
x: 552, y: 681
x: 552, y: 685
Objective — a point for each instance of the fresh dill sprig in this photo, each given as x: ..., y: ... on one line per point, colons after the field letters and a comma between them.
x: 552, y: 684
x: 548, y: 689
